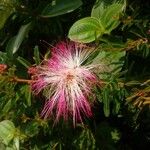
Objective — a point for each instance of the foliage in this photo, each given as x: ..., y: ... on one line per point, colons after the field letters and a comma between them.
x: 102, y: 21
x: 118, y: 32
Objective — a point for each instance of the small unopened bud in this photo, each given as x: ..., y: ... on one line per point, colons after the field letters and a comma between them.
x: 32, y: 70
x: 3, y: 68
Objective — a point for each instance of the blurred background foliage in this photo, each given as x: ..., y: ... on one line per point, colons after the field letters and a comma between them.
x: 121, y: 118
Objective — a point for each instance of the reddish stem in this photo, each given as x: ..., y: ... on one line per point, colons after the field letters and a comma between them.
x: 16, y: 79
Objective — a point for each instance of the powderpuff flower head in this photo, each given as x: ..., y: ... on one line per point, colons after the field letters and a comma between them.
x: 66, y: 79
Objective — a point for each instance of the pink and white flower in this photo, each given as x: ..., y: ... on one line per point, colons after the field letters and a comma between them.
x: 66, y: 80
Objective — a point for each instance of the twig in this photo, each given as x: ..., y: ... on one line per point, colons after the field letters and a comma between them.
x: 16, y: 79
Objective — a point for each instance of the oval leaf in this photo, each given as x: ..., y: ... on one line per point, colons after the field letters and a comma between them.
x: 86, y: 30
x: 15, y: 42
x: 60, y: 7
x: 7, y: 131
x: 110, y: 17
x: 108, y: 13
x: 100, y: 6
x: 7, y: 7
x: 111, y: 60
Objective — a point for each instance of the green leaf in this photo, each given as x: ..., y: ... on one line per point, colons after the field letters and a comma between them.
x: 16, y: 143
x: 110, y: 17
x: 3, y: 57
x: 37, y: 55
x: 24, y: 62
x: 104, y: 19
x: 85, y: 140
x: 14, y: 43
x: 106, y: 102
x: 111, y: 60
x: 27, y: 93
x: 116, y: 107
x: 32, y: 129
x: 115, y: 134
x: 7, y: 131
x: 60, y: 7
x: 108, y: 13
x: 86, y: 30
x: 98, y: 9
x: 6, y: 9
x: 100, y: 6
x: 7, y: 106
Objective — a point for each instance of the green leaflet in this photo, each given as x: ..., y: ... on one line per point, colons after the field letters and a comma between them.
x: 7, y: 7
x: 59, y: 7
x: 111, y: 60
x: 24, y: 62
x: 86, y: 30
x: 106, y: 102
x: 26, y: 91
x: 37, y: 55
x: 100, y: 6
x: 7, y: 131
x: 15, y: 42
x: 110, y: 17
